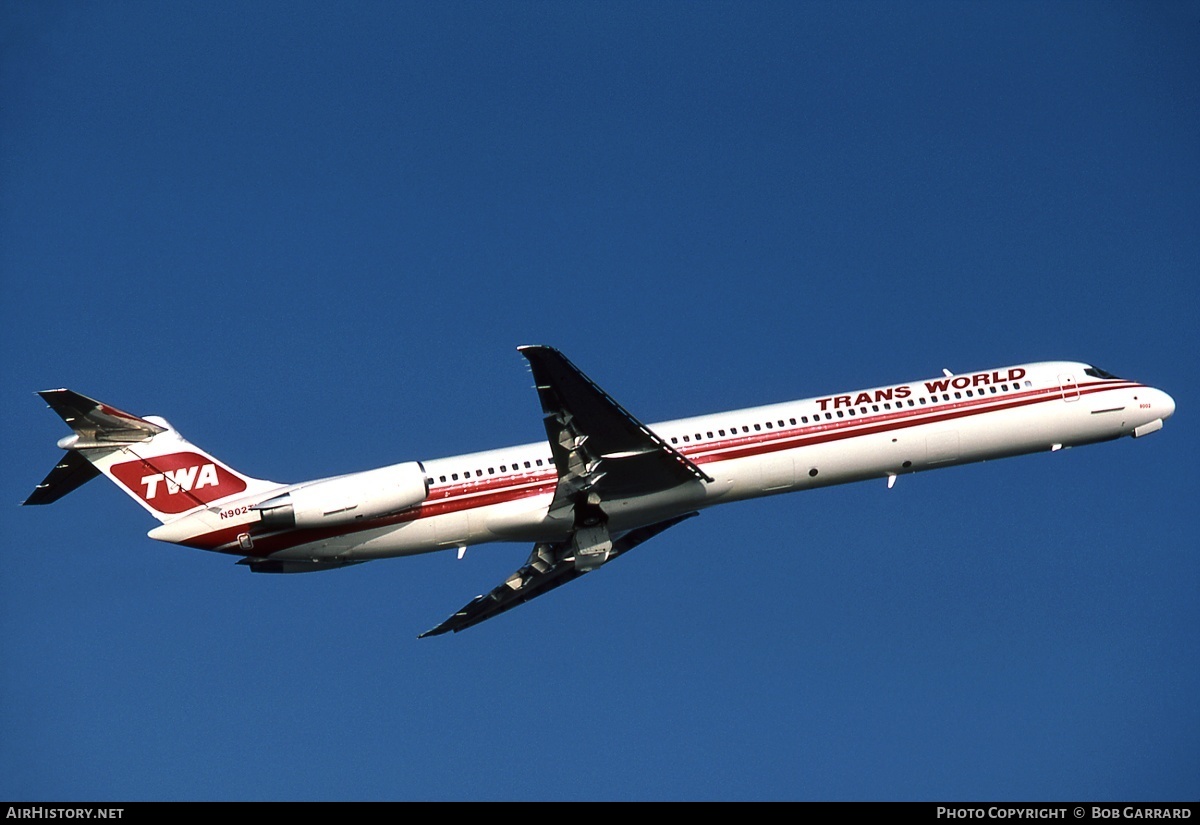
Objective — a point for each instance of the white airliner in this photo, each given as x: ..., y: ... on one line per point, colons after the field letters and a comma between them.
x: 602, y: 483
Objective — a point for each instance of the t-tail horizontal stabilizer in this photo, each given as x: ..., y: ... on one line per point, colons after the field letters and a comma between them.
x: 548, y: 566
x: 145, y: 457
x: 95, y: 426
x: 67, y: 476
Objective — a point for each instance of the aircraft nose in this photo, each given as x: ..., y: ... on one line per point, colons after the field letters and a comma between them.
x: 1166, y: 403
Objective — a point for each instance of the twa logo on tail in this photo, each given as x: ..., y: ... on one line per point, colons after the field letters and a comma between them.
x: 177, y: 482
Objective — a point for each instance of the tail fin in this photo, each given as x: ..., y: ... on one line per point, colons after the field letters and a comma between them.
x: 145, y: 457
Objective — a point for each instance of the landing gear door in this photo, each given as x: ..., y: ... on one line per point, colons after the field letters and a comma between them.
x: 1068, y: 387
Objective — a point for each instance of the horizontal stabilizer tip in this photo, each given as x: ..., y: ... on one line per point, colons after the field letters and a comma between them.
x: 68, y: 475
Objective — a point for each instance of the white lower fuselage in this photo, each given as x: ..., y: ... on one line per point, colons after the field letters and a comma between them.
x: 504, y: 495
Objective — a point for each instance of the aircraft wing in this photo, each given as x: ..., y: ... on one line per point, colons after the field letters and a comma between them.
x: 548, y: 566
x: 602, y: 453
x: 597, y: 445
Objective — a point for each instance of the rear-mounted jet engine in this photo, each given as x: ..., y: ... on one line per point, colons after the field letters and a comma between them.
x: 347, y: 499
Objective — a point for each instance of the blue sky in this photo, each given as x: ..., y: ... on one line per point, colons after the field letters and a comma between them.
x: 312, y: 235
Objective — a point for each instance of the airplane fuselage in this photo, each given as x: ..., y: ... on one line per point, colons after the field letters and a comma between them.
x: 876, y: 433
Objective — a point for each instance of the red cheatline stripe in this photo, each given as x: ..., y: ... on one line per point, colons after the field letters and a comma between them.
x: 267, y: 544
x: 871, y: 424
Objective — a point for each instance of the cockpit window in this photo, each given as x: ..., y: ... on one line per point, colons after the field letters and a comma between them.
x: 1096, y: 372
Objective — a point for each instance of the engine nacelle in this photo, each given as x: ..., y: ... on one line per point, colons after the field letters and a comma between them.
x: 347, y: 499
